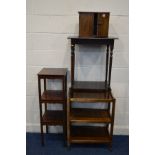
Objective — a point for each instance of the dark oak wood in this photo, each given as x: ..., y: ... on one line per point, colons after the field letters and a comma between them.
x: 45, y: 104
x: 53, y: 117
x: 89, y: 134
x: 54, y: 96
x: 53, y: 72
x: 93, y: 24
x: 92, y: 40
x: 107, y: 62
x: 92, y: 12
x: 110, y: 65
x: 50, y: 117
x: 40, y: 107
x: 90, y: 92
x: 113, y: 116
x: 72, y: 63
x: 109, y: 42
x: 103, y: 24
x: 86, y: 21
x: 85, y: 115
x: 68, y: 119
x: 91, y: 97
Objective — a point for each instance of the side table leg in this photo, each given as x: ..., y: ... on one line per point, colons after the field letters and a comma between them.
x: 72, y: 64
x: 110, y: 63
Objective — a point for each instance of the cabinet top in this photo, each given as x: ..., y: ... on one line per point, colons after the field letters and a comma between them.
x: 53, y: 72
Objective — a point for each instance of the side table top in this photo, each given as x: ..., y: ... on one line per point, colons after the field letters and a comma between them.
x: 92, y: 38
x: 53, y: 71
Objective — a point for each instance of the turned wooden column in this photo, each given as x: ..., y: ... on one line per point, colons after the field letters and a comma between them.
x: 72, y: 63
x: 110, y: 63
x: 107, y: 64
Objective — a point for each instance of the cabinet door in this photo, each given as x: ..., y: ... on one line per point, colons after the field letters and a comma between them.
x: 86, y: 21
x: 103, y: 24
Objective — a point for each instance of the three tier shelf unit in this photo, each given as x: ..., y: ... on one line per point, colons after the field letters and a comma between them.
x: 91, y: 92
x: 50, y: 117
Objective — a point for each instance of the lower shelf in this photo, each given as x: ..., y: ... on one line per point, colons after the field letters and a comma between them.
x: 89, y: 134
x: 55, y: 117
x: 90, y: 115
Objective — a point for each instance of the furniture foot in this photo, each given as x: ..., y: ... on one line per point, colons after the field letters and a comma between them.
x: 110, y: 147
x: 68, y: 145
x: 42, y: 136
x: 47, y: 129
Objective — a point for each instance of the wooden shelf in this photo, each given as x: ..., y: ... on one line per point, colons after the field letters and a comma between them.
x: 52, y: 72
x: 90, y: 86
x: 89, y: 134
x: 90, y: 115
x: 91, y: 97
x: 54, y: 96
x: 54, y: 117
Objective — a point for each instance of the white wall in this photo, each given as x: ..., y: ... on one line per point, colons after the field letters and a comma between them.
x: 49, y: 23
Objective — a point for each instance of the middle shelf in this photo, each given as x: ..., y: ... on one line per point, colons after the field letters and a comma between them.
x: 54, y: 96
x: 90, y: 115
x: 91, y: 97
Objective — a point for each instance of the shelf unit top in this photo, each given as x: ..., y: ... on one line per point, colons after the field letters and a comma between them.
x: 53, y: 72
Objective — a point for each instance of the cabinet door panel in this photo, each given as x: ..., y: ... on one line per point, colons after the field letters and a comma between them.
x: 103, y: 25
x: 86, y: 24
